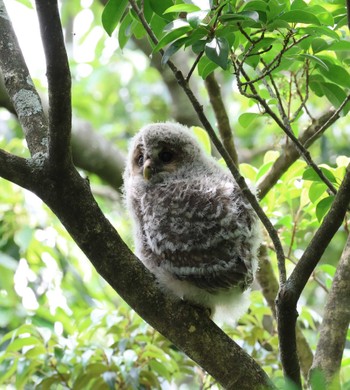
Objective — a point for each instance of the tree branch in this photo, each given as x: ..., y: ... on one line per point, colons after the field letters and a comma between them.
x: 222, y: 119
x: 20, y: 87
x: 291, y: 153
x: 97, y: 155
x: 286, y: 129
x: 335, y: 322
x: 59, y: 83
x: 16, y: 169
x: 269, y: 286
x: 289, y: 293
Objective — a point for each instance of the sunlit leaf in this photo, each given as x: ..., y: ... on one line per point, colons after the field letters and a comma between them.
x: 311, y: 174
x: 182, y: 8
x: 172, y: 36
x: 217, y: 51
x: 248, y: 118
x: 203, y: 138
x: 112, y: 13
x: 300, y: 16
x: 323, y: 207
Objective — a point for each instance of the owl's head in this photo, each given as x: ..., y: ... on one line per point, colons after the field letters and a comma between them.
x: 162, y: 149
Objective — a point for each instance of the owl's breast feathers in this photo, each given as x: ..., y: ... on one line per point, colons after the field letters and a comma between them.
x: 201, y: 231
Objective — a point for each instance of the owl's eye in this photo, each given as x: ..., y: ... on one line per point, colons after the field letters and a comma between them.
x: 140, y: 160
x: 166, y: 156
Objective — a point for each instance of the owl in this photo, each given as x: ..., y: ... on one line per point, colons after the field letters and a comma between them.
x: 193, y: 228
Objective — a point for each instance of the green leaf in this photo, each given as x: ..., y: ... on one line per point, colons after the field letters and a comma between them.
x: 328, y: 269
x: 337, y: 74
x: 159, y: 7
x: 205, y: 67
x: 175, y: 24
x: 323, y: 207
x: 248, y: 171
x: 340, y: 46
x: 217, y: 50
x: 172, y: 49
x: 172, y: 36
x: 240, y: 16
x: 317, y: 190
x: 319, y: 44
x: 310, y: 174
x: 263, y: 170
x: 23, y: 237
x: 19, y: 343
x: 182, y: 8
x: 248, y: 118
x: 124, y: 32
x: 299, y: 16
x: 112, y: 14
x: 196, y: 18
x: 203, y: 138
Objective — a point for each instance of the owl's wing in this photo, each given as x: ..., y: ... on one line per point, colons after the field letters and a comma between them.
x: 201, y: 233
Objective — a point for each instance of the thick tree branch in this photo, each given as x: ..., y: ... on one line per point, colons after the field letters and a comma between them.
x: 59, y: 84
x: 90, y: 150
x: 95, y: 154
x: 269, y: 286
x: 290, y: 292
x: 20, y: 87
x: 335, y: 322
x: 222, y: 119
x: 17, y: 169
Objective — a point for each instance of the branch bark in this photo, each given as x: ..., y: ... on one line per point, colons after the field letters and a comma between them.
x: 291, y: 154
x: 335, y: 323
x: 222, y: 119
x: 59, y: 84
x: 20, y: 87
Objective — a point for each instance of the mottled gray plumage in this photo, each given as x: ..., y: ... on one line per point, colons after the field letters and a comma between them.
x: 193, y: 228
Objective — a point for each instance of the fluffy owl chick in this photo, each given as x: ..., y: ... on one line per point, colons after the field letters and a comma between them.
x: 194, y: 230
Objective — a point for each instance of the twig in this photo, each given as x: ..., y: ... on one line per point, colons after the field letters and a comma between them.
x: 59, y: 83
x: 306, y: 97
x: 230, y: 164
x: 330, y: 120
x: 291, y: 154
x: 302, y: 150
x: 194, y: 66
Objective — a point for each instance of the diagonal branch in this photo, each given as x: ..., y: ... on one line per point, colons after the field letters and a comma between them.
x: 16, y: 169
x: 223, y: 121
x: 301, y: 149
x: 21, y: 90
x: 291, y: 154
x: 59, y: 83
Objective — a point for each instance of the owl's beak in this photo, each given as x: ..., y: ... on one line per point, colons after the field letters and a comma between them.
x: 147, y: 169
